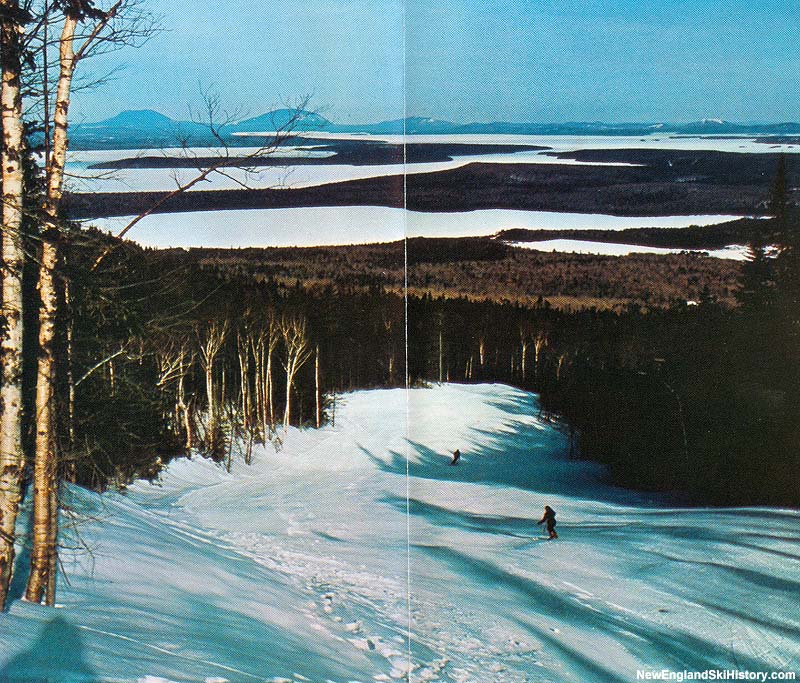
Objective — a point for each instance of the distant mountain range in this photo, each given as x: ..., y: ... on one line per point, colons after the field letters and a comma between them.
x: 148, y: 128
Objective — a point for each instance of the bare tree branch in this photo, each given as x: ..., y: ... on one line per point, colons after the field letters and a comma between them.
x: 216, y: 119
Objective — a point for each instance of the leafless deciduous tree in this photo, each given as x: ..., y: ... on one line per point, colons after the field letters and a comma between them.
x: 540, y: 341
x: 212, y: 340
x: 175, y: 358
x: 264, y: 346
x: 295, y: 339
x: 86, y: 29
x: 215, y: 119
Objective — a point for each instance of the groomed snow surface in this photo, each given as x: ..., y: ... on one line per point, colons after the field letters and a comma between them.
x: 299, y: 567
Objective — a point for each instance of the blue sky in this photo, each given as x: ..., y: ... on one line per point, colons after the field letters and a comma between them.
x: 468, y: 60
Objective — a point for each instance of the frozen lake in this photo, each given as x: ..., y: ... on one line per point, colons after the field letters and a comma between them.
x: 351, y: 225
x: 322, y: 226
x: 83, y: 179
x: 288, y: 176
x: 735, y: 252
x: 571, y: 143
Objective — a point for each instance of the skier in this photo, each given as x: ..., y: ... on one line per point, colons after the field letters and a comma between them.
x: 456, y: 457
x: 549, y: 520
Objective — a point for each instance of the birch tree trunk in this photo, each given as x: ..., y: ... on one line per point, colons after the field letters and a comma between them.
x: 387, y: 326
x: 52, y: 544
x: 209, y: 350
x: 524, y: 359
x: 11, y: 457
x: 257, y: 349
x: 243, y: 351
x: 318, y: 387
x: 441, y: 355
x: 45, y: 466
x: 272, y: 344
x: 538, y: 344
x: 287, y: 413
x: 211, y: 418
x: 44, y: 472
x: 562, y: 358
x: 270, y: 390
x: 221, y: 404
x: 183, y: 407
x: 293, y: 331
x: 44, y: 558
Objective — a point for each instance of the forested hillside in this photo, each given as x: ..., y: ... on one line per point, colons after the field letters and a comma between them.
x: 213, y: 349
x: 489, y: 270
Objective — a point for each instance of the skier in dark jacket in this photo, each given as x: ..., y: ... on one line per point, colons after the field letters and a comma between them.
x: 456, y: 457
x: 549, y: 520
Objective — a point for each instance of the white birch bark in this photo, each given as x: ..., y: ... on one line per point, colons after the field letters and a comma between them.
x: 11, y: 456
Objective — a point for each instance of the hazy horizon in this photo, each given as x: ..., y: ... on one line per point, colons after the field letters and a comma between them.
x: 765, y: 122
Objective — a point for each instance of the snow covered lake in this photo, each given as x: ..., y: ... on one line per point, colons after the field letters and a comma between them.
x: 356, y: 225
x: 571, y: 143
x: 734, y: 252
x: 322, y: 226
x: 288, y: 176
x: 356, y: 553
x: 83, y: 179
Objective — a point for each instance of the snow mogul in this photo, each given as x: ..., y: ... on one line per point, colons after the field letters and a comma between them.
x: 549, y: 520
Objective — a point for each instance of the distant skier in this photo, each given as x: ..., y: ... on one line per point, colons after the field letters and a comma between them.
x: 456, y: 457
x: 549, y: 520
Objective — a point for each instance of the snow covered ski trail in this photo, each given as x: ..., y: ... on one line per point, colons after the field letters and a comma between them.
x: 297, y: 568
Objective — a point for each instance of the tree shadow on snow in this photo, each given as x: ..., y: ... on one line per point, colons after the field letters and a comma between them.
x: 518, y: 527
x: 520, y: 456
x: 57, y: 655
x: 647, y: 640
x: 525, y: 451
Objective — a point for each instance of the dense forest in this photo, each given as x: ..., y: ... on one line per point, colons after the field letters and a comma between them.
x: 484, y: 269
x: 177, y: 352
